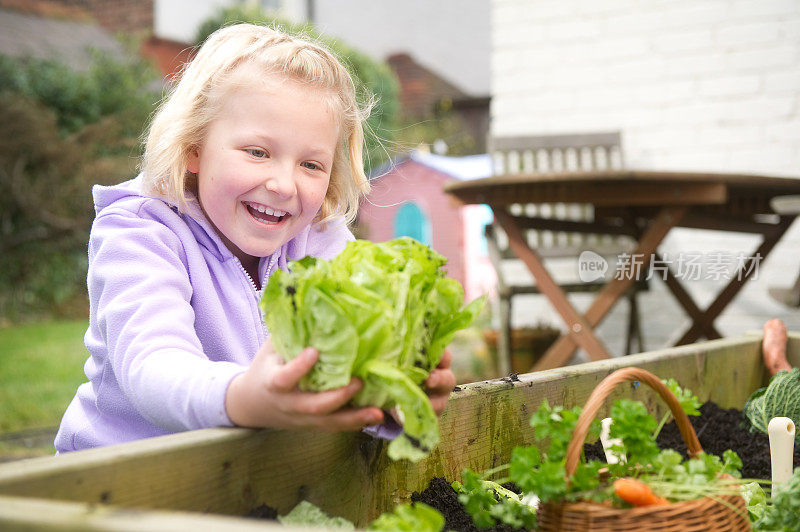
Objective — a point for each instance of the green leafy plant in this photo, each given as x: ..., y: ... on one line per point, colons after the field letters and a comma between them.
x: 111, y: 86
x: 776, y: 514
x: 61, y: 131
x: 780, y: 398
x: 414, y: 517
x: 541, y: 470
x: 544, y: 474
x: 755, y: 499
x: 634, y: 426
x: 779, y: 513
x: 306, y: 514
x: 382, y: 312
x: 689, y: 402
x: 488, y: 503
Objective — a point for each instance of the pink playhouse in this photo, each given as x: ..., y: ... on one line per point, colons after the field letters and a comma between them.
x: 407, y: 200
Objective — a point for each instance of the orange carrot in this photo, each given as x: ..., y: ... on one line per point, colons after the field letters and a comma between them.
x: 636, y: 492
x: 773, y: 347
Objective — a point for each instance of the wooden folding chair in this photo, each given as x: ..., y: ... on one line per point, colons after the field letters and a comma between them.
x: 553, y: 232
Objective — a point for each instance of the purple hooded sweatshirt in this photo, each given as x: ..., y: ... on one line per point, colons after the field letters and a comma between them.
x: 173, y: 318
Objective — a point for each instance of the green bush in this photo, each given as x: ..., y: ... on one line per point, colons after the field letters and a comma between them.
x: 109, y: 87
x: 372, y: 77
x: 61, y: 131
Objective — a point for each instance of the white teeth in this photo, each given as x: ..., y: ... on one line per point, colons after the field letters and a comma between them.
x: 266, y: 210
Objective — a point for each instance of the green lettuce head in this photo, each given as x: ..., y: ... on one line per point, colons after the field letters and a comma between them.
x: 383, y: 312
x: 780, y: 398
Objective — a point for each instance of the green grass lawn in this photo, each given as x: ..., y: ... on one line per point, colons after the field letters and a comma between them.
x: 41, y: 366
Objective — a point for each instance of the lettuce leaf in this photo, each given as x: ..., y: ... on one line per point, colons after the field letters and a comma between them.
x: 383, y: 312
x: 780, y: 513
x: 414, y: 517
x: 307, y: 515
x: 780, y: 398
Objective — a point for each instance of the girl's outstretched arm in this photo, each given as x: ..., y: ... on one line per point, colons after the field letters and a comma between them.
x: 266, y: 395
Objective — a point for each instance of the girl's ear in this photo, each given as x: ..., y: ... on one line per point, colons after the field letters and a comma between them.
x: 193, y: 161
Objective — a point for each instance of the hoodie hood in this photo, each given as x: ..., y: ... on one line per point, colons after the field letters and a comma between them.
x: 129, y: 196
x: 105, y: 196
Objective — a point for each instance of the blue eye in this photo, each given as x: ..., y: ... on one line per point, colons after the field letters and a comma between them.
x: 311, y: 166
x: 258, y: 153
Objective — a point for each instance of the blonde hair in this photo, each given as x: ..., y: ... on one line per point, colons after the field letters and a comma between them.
x: 181, y: 123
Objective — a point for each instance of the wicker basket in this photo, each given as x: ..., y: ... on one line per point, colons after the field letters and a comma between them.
x: 721, y: 513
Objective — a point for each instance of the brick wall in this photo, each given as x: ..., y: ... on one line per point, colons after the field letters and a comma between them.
x: 692, y: 84
x: 113, y: 15
x: 420, y: 89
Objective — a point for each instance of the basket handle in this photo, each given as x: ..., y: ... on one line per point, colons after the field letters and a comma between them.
x: 598, y: 397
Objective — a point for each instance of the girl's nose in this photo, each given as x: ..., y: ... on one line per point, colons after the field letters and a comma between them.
x: 281, y: 181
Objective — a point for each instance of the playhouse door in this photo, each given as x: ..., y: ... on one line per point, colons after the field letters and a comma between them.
x: 411, y: 221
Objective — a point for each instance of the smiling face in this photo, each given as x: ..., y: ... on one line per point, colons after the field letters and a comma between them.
x: 264, y: 165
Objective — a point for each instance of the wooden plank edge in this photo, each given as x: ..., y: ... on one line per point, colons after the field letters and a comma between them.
x: 22, y: 513
x: 78, y: 461
x: 647, y: 358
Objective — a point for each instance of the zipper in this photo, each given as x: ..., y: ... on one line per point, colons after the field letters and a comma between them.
x: 273, y: 259
x: 270, y: 266
x: 247, y: 276
x: 256, y: 292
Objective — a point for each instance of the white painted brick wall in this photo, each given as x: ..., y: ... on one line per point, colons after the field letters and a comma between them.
x: 708, y: 85
x: 679, y: 78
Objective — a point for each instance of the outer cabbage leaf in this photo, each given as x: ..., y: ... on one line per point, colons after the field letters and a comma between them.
x: 382, y: 312
x: 307, y: 515
x: 780, y: 398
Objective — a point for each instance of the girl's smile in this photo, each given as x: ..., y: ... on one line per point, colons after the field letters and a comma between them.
x: 264, y: 166
x: 264, y: 214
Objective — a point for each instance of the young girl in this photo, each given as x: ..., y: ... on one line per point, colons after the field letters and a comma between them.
x: 254, y: 160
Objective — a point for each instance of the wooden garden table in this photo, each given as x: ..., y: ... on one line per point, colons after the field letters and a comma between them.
x: 645, y: 205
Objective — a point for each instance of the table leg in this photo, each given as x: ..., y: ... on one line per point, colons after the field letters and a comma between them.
x: 705, y: 322
x: 579, y: 329
x: 686, y: 301
x: 562, y: 350
x: 634, y: 326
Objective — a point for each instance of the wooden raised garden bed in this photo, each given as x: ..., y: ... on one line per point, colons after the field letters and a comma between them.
x: 203, y: 480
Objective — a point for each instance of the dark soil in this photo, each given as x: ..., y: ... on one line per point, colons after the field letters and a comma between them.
x: 718, y: 429
x: 440, y: 495
x: 264, y: 512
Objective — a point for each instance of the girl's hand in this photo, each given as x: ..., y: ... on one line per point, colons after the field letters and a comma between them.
x: 266, y: 395
x: 440, y: 383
